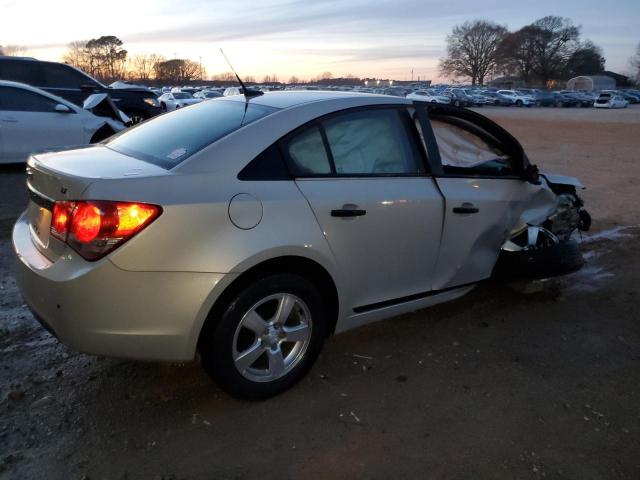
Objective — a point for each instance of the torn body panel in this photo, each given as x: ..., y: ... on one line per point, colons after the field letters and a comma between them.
x: 101, y: 105
x: 471, y: 242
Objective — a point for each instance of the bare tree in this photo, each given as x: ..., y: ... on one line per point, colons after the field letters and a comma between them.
x: 472, y: 50
x: 107, y: 56
x: 103, y: 58
x: 517, y: 53
x: 587, y: 59
x: 143, y: 65
x: 555, y: 40
x: 224, y: 77
x: 293, y: 80
x: 76, y: 55
x: 14, y: 50
x: 326, y: 76
x: 177, y: 70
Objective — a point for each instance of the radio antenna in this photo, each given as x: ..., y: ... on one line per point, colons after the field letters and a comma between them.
x: 245, y: 91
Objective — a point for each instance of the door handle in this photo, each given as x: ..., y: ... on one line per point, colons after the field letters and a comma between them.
x: 348, y: 212
x: 466, y: 208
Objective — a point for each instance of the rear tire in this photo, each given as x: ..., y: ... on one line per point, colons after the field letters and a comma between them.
x: 252, y: 351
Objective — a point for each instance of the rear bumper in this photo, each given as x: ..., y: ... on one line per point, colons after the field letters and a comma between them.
x: 101, y: 309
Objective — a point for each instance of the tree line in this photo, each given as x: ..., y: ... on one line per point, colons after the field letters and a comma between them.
x: 549, y: 49
x: 106, y: 59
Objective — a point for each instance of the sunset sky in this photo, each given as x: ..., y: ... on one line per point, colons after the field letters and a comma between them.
x: 365, y: 38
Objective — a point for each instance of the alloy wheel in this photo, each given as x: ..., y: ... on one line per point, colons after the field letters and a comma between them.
x: 272, y: 337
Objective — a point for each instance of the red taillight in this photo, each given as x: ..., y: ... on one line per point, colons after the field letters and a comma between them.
x: 94, y: 228
x: 61, y: 219
x: 86, y: 222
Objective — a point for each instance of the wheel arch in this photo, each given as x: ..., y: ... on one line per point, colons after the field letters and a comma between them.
x: 304, y: 266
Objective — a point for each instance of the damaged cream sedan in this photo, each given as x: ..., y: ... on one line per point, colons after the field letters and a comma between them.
x: 249, y: 228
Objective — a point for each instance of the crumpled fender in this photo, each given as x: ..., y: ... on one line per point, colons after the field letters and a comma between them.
x: 562, y: 180
x: 101, y: 105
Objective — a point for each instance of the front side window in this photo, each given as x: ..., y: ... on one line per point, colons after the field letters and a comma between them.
x: 168, y: 140
x: 467, y: 152
x: 19, y: 100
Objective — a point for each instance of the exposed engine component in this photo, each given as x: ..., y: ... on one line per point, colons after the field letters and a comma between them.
x: 566, y: 219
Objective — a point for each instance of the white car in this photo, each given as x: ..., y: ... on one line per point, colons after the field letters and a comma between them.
x: 250, y: 228
x: 232, y: 91
x: 32, y: 120
x: 207, y: 94
x: 174, y: 100
x: 519, y: 99
x: 610, y: 100
x: 424, y: 96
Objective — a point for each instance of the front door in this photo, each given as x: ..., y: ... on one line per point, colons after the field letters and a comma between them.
x: 366, y: 181
x: 480, y: 173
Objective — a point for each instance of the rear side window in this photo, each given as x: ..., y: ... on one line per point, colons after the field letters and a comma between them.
x: 23, y: 71
x: 170, y: 139
x: 58, y: 75
x: 19, y: 100
x: 308, y: 153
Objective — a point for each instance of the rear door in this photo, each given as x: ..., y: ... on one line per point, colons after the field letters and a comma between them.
x: 30, y: 123
x: 480, y: 170
x: 367, y: 183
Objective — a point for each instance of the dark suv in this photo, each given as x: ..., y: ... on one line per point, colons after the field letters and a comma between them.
x: 74, y: 85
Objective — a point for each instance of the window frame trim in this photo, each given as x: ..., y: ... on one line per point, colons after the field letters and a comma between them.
x: 422, y: 111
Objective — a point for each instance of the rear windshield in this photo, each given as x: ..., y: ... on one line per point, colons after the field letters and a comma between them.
x: 170, y: 139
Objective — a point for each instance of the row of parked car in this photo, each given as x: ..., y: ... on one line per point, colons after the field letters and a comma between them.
x: 45, y: 105
x: 468, y: 97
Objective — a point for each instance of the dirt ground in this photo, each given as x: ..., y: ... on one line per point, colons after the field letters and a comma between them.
x: 499, y: 384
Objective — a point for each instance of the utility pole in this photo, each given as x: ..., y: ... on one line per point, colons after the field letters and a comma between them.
x: 412, y: 74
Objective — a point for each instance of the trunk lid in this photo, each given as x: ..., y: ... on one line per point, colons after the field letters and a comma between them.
x: 66, y: 176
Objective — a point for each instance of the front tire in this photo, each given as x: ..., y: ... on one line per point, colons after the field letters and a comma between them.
x: 267, y: 338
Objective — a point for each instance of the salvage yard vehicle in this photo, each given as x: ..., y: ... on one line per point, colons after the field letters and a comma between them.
x: 62, y: 80
x: 610, y: 100
x: 32, y: 120
x: 174, y: 100
x: 519, y: 99
x: 248, y: 229
x: 425, y: 96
